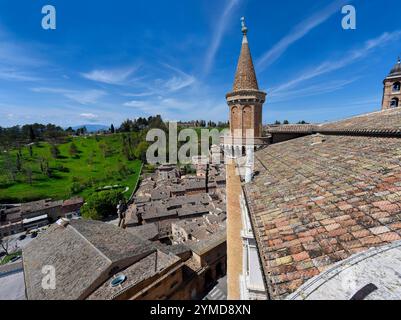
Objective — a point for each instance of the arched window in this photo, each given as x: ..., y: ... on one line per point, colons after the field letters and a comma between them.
x: 396, y: 86
x: 394, y: 103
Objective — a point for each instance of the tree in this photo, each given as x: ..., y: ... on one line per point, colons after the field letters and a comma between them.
x: 277, y: 122
x: 5, y: 243
x: 30, y: 151
x: 126, y: 126
x: 55, y: 151
x: 140, y: 151
x: 18, y: 162
x: 70, y: 131
x: 32, y: 135
x: 112, y: 130
x: 29, y: 175
x: 91, y: 157
x: 105, y: 149
x: 102, y: 204
x: 10, y: 168
x: 286, y: 122
x: 73, y: 150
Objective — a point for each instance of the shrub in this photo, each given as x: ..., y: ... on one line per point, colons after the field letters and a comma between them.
x: 101, y: 205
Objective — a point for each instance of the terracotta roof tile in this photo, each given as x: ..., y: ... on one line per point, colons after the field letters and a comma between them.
x: 314, y: 205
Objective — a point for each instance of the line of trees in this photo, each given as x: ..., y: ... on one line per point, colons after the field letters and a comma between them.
x: 18, y: 135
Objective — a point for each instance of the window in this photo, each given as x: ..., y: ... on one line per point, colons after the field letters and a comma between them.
x: 394, y: 103
x: 396, y: 86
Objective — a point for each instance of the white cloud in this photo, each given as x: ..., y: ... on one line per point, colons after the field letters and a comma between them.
x: 16, y: 75
x: 277, y: 95
x: 82, y: 97
x: 136, y: 104
x: 218, y: 33
x: 179, y: 81
x: 298, y: 32
x: 180, y: 108
x: 349, y: 58
x: 86, y: 97
x: 89, y: 116
x: 18, y: 59
x: 111, y: 76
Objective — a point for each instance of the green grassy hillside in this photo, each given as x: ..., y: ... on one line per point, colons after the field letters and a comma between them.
x: 96, y: 162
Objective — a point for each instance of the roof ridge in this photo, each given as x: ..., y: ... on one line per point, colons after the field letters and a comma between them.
x: 90, y: 243
x: 354, y: 117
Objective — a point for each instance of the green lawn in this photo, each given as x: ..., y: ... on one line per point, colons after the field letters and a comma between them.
x: 7, y: 259
x: 100, y: 162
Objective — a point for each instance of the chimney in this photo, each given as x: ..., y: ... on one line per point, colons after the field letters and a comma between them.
x: 63, y: 222
x: 318, y: 139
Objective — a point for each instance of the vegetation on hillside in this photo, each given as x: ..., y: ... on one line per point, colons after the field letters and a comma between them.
x: 101, y: 205
x: 45, y: 161
x: 78, y: 166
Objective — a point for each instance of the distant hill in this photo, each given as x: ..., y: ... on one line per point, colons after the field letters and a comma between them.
x: 92, y: 127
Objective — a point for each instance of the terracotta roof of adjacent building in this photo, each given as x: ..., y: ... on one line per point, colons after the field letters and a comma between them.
x: 313, y: 205
x: 84, y: 255
x: 385, y: 122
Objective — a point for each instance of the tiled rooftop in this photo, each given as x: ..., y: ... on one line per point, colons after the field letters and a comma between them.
x: 386, y: 121
x: 380, y: 122
x: 315, y: 204
x: 151, y: 266
x: 289, y: 128
x: 82, y: 254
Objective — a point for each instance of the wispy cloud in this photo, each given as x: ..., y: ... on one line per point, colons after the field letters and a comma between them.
x: 13, y: 74
x: 17, y: 59
x: 179, y: 108
x: 218, y: 33
x: 89, y: 116
x: 178, y: 81
x: 349, y: 58
x: 110, y: 76
x: 298, y: 32
x: 83, y: 97
x: 277, y: 95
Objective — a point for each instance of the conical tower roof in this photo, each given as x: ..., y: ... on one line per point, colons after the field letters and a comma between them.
x: 245, y: 77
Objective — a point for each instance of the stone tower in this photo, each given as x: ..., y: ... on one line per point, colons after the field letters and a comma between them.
x: 392, y: 88
x: 246, y: 100
x: 245, y: 103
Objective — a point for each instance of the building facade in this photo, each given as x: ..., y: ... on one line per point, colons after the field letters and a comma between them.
x: 392, y: 88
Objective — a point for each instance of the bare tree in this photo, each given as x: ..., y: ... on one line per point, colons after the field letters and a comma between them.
x: 28, y: 172
x: 5, y: 243
x: 10, y: 168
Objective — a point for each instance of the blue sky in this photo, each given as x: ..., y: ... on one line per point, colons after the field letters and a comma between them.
x: 112, y: 60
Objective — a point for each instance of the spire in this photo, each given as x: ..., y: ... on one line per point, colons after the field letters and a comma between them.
x: 245, y: 77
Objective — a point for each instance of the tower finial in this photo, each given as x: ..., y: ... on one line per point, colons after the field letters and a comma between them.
x: 244, y: 28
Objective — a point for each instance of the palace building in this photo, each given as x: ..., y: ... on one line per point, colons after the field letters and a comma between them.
x: 392, y: 88
x: 320, y: 215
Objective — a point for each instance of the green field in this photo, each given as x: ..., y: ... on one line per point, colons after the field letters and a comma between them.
x: 99, y: 162
x: 7, y: 259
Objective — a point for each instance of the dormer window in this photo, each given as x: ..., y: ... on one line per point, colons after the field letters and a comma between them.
x: 394, y: 103
x: 396, y: 86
